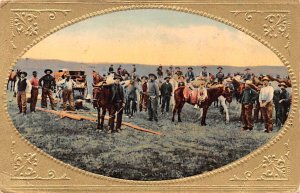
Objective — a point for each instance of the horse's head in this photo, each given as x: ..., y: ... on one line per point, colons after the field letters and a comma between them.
x: 96, y: 92
x: 97, y: 78
x: 227, y: 94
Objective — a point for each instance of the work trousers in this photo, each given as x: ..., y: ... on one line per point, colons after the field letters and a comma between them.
x: 21, y: 99
x: 165, y: 103
x: 117, y: 109
x: 47, y: 93
x: 68, y: 97
x: 247, y: 115
x: 267, y: 112
x: 152, y: 107
x: 34, y: 97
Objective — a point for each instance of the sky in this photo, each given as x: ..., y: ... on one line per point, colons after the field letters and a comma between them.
x: 151, y: 36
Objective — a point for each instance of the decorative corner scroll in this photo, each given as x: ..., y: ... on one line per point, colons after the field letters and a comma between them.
x: 25, y: 21
x: 271, y: 168
x: 24, y: 167
x: 276, y: 23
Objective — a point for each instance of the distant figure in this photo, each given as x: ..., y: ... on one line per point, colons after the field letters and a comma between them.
x: 111, y: 68
x: 22, y: 86
x: 133, y: 69
x: 189, y: 75
x: 119, y: 70
x: 249, y: 97
x: 131, y: 99
x: 160, y: 71
x: 284, y: 103
x: 166, y: 93
x: 266, y: 103
x: 143, y: 95
x: 47, y: 82
x: 153, y: 93
x: 247, y: 75
x: 220, y: 75
x: 34, y: 81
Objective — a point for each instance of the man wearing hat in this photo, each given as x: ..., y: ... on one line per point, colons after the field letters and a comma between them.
x: 34, y: 81
x: 118, y: 105
x: 266, y: 103
x: 166, y: 93
x: 204, y: 72
x: 153, y: 94
x: 189, y: 75
x: 220, y: 75
x: 111, y: 68
x: 143, y: 94
x: 67, y: 85
x: 284, y: 103
x: 160, y: 71
x: 22, y: 87
x: 247, y: 100
x: 47, y: 82
x: 247, y: 75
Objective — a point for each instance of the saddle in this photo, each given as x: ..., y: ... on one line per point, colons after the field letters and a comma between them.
x: 190, y: 95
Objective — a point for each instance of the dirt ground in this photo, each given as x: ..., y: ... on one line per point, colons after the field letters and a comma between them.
x: 184, y: 149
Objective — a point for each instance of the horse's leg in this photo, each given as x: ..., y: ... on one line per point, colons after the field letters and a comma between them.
x: 179, y: 112
x: 203, y: 120
x: 201, y: 113
x: 102, y: 118
x: 174, y: 113
x: 98, y: 118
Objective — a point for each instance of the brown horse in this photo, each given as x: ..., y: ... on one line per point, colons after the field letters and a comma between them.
x: 287, y: 81
x: 102, y: 95
x: 12, y: 78
x: 213, y: 94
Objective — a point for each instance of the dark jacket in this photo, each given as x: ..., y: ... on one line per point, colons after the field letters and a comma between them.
x: 117, y: 93
x: 48, y: 82
x: 220, y: 76
x: 22, y: 85
x: 190, y: 76
x: 166, y: 89
x: 249, y: 96
x: 285, y: 97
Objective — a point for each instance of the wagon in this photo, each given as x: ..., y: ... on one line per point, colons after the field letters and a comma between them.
x: 79, y: 78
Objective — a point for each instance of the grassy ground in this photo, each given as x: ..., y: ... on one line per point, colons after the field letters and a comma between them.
x: 185, y: 149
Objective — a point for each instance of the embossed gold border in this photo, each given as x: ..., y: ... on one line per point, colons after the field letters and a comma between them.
x: 234, y: 181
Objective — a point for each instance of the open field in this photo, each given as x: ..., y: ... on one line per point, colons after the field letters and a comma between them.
x: 184, y: 149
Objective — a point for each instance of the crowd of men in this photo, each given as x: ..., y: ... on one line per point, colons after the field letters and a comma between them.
x: 156, y: 88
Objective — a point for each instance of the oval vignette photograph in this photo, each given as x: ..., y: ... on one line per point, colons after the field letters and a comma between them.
x: 149, y: 95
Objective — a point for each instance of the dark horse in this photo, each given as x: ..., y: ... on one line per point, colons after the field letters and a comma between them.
x: 102, y: 95
x: 212, y: 93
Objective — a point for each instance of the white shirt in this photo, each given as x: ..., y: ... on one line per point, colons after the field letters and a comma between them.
x: 266, y: 94
x: 67, y: 84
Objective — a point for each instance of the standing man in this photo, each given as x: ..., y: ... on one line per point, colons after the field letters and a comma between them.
x: 166, y: 93
x: 190, y: 76
x: 47, y: 82
x: 22, y: 86
x: 257, y: 110
x: 118, y: 105
x: 153, y: 93
x: 144, y: 97
x: 160, y: 71
x: 111, y: 69
x: 131, y: 99
x: 266, y: 103
x: 67, y: 85
x: 247, y: 75
x: 34, y: 81
x: 248, y: 99
x: 220, y: 75
x: 284, y: 103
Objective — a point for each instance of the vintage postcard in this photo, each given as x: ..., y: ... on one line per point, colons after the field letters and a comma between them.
x: 149, y: 96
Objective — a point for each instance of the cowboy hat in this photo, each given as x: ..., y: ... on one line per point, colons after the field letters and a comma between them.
x: 118, y: 77
x: 247, y: 69
x: 25, y: 73
x: 151, y: 74
x: 190, y: 68
x: 167, y: 77
x: 220, y: 67
x: 203, y: 67
x: 265, y: 78
x: 144, y: 77
x: 48, y: 70
x: 282, y: 84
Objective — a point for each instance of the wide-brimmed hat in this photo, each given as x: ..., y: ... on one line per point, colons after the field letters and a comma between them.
x: 248, y: 82
x: 118, y: 77
x: 151, y: 74
x: 146, y: 77
x: 167, y: 77
x: 282, y: 84
x: 220, y: 67
x: 25, y: 73
x: 265, y: 78
x: 204, y: 67
x: 247, y: 69
x: 48, y: 70
x: 190, y: 68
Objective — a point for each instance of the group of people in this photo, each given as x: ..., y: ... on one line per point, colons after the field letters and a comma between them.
x: 48, y: 85
x: 157, y: 88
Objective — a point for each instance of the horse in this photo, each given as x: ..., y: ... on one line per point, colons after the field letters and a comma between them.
x: 287, y: 81
x: 212, y: 93
x: 12, y: 78
x: 101, y: 98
